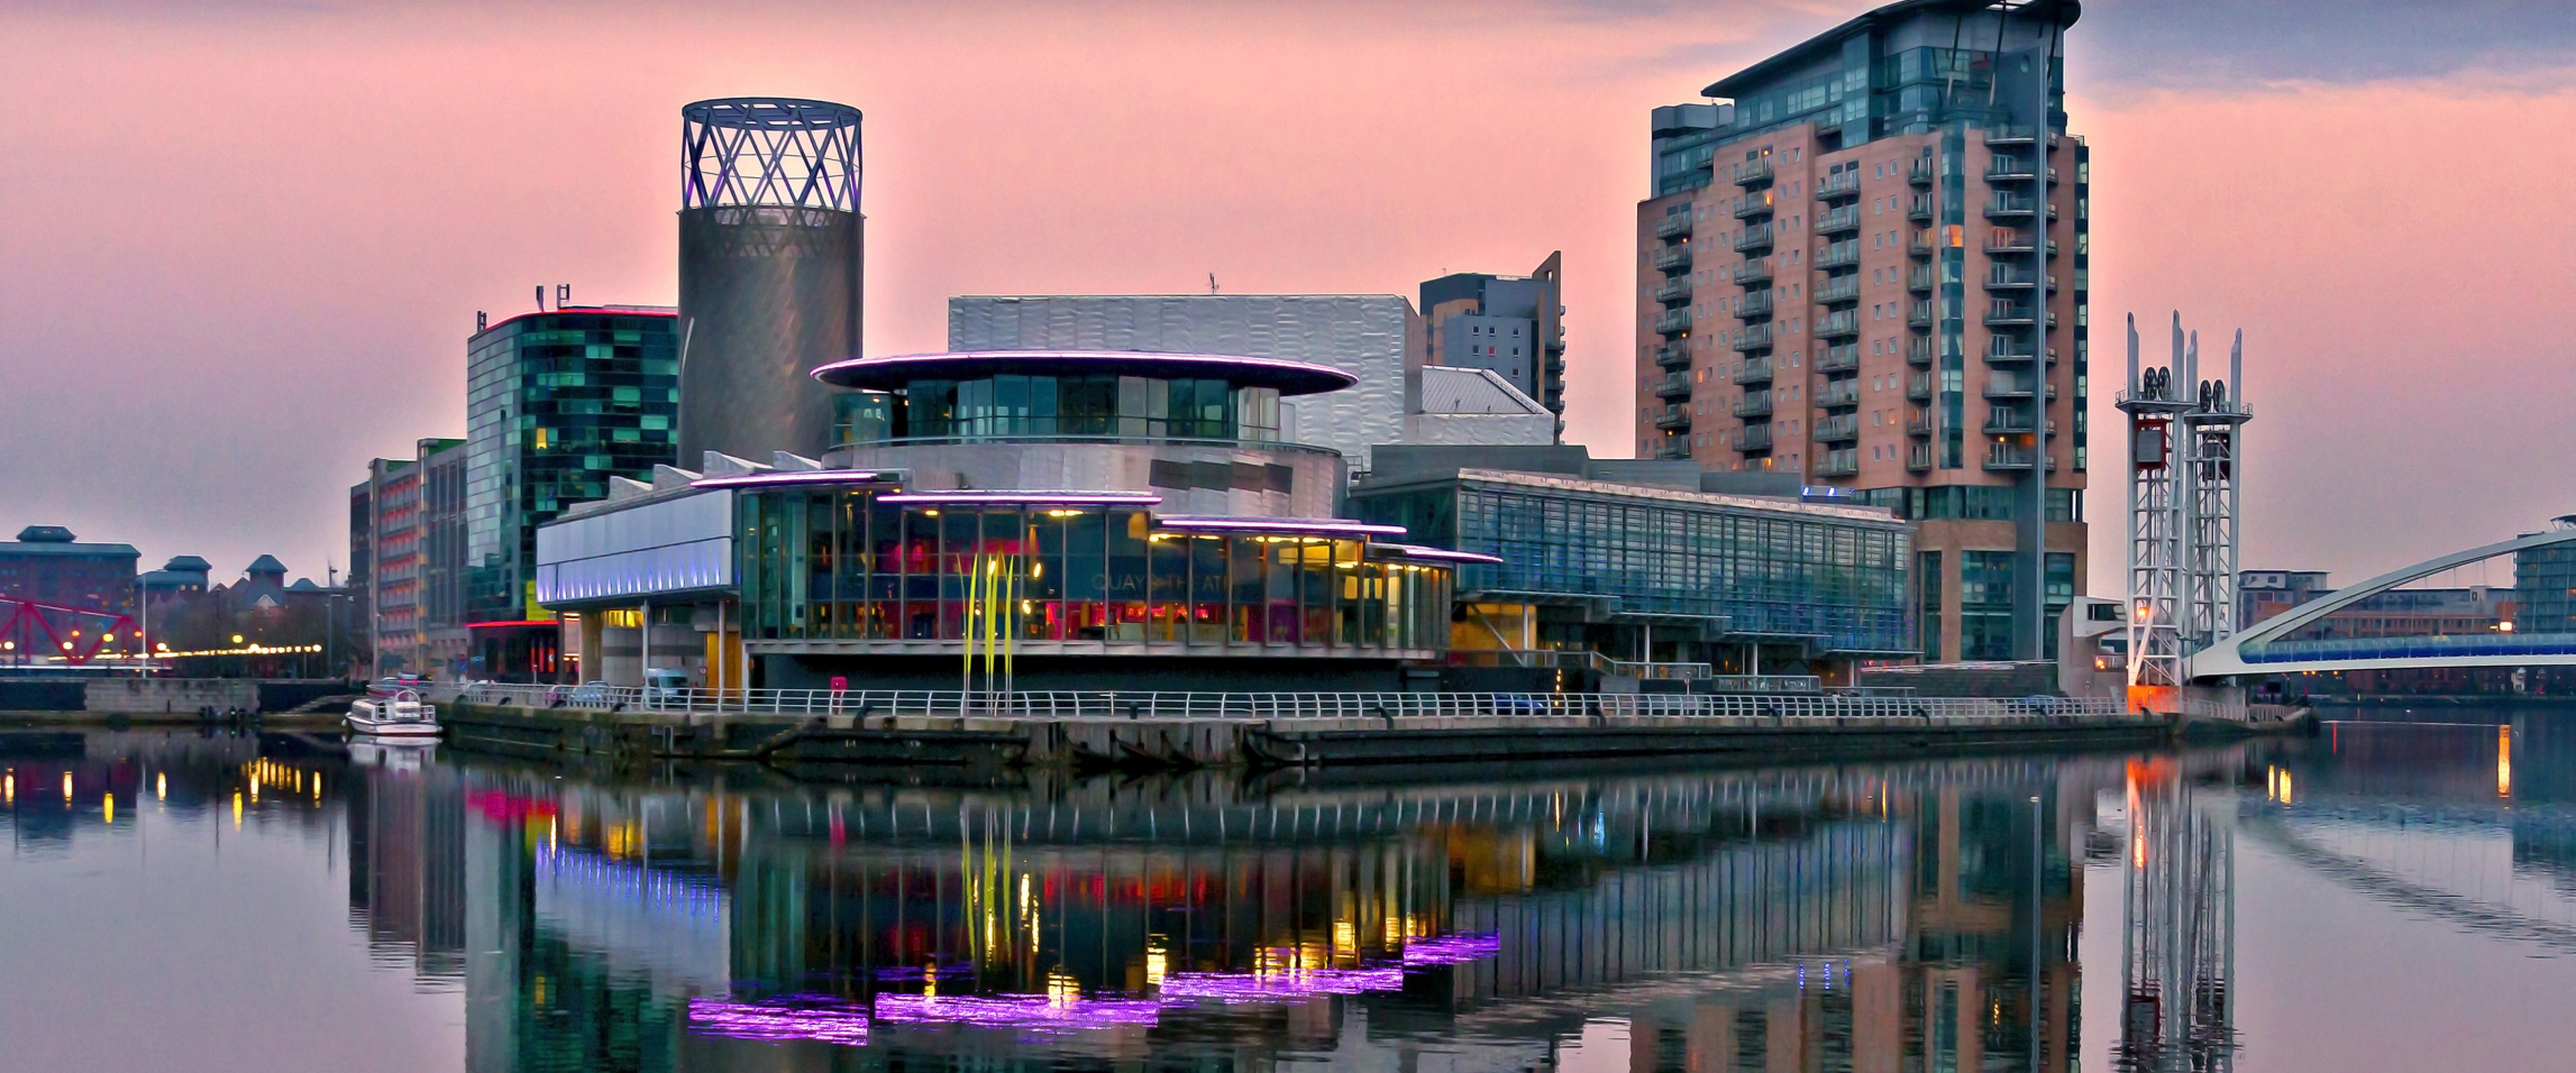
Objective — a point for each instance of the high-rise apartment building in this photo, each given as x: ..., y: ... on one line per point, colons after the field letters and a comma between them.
x: 393, y: 519
x: 556, y: 404
x: 1865, y: 264
x: 1513, y: 325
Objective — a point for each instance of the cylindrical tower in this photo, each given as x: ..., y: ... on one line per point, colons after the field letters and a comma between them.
x: 771, y: 247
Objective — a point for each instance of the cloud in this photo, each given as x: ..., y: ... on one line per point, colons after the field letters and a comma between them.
x: 2237, y: 43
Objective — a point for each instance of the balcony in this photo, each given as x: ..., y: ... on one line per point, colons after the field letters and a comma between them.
x: 2011, y: 423
x: 1839, y: 393
x: 1918, y: 457
x: 1918, y: 386
x: 1838, y: 324
x: 1838, y: 221
x: 1753, y: 404
x: 1918, y: 352
x: 1673, y: 386
x: 1753, y: 438
x: 1842, y: 463
x: 2007, y: 244
x: 1754, y: 304
x: 2005, y: 457
x: 1673, y: 419
x: 1753, y: 337
x: 2006, y: 169
x: 2014, y: 386
x: 1918, y: 314
x: 1919, y: 244
x: 1918, y: 422
x: 1839, y: 254
x: 1837, y: 359
x: 1678, y: 223
x: 1757, y: 237
x: 2007, y: 207
x: 2004, y: 352
x: 1844, y: 183
x: 1920, y: 209
x: 2014, y: 315
x: 1838, y: 289
x: 1673, y: 356
x: 2015, y: 134
x: 1752, y: 173
x: 1673, y: 322
x: 1752, y: 270
x: 2015, y: 278
x: 1752, y: 205
x: 1921, y: 172
x: 1674, y: 292
x: 1674, y: 449
x: 1840, y: 428
x: 1920, y: 279
x: 1755, y: 371
x: 1674, y: 260
x: 1555, y: 344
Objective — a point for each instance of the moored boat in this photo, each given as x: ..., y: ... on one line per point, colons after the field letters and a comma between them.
x: 397, y: 713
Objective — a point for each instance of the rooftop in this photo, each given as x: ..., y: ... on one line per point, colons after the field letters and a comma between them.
x: 1828, y: 45
x: 894, y: 372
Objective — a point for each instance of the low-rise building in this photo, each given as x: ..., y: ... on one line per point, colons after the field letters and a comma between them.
x: 1652, y: 561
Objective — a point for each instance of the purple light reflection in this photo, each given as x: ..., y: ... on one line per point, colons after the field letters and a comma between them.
x: 1038, y: 1013
x: 791, y: 478
x: 1231, y: 988
x: 821, y: 1018
x: 1451, y: 949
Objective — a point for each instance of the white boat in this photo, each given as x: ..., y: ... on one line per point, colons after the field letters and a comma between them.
x: 397, y: 713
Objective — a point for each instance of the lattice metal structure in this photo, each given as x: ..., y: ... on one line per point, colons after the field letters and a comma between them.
x: 2155, y: 612
x: 771, y: 272
x: 769, y: 151
x: 2178, y: 946
x: 2211, y: 439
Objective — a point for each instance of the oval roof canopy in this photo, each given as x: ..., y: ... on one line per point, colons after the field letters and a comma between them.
x: 896, y: 371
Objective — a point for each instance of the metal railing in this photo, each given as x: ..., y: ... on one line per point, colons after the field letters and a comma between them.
x: 1736, y: 701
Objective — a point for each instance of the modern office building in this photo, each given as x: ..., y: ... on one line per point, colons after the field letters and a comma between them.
x: 771, y: 249
x: 391, y: 523
x: 557, y: 404
x: 1513, y: 325
x: 2544, y: 585
x: 1865, y: 263
x: 1652, y: 561
x: 50, y: 565
x: 1105, y: 520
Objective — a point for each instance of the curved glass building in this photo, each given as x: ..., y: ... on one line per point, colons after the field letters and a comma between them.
x: 1093, y: 520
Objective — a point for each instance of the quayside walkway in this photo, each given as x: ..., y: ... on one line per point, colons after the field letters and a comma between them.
x: 1166, y: 729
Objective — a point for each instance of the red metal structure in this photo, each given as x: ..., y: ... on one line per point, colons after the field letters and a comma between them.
x: 38, y: 631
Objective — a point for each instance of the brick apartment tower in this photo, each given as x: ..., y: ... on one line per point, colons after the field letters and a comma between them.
x: 1865, y: 264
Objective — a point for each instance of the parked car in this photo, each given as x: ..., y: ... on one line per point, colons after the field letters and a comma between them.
x: 665, y: 685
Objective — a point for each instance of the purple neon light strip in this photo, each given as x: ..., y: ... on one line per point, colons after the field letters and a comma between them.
x: 792, y: 477
x: 900, y: 361
x: 1416, y: 551
x: 1282, y: 525
x: 1038, y: 1013
x: 821, y: 1018
x: 1097, y: 499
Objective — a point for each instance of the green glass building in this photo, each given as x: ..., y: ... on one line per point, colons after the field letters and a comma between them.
x: 556, y: 404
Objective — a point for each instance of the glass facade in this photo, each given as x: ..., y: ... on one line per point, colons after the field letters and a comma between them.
x: 1766, y: 573
x: 1985, y: 605
x: 1017, y: 407
x: 2544, y: 588
x: 556, y: 404
x: 845, y: 566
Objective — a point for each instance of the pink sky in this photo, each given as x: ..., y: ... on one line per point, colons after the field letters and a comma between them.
x: 244, y: 244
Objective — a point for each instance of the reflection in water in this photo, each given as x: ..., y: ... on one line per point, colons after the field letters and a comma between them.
x: 1920, y: 916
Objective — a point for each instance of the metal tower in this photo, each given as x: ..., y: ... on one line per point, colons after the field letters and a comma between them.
x: 2155, y: 523
x: 2212, y: 431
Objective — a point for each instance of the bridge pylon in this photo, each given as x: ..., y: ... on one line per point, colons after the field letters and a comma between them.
x: 2155, y: 613
x: 2185, y: 454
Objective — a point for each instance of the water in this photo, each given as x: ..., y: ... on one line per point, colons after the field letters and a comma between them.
x: 2386, y: 896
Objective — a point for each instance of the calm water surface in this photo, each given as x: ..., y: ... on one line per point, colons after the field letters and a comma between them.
x: 2385, y: 896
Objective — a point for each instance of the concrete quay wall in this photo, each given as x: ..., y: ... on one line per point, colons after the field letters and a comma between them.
x: 1172, y: 743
